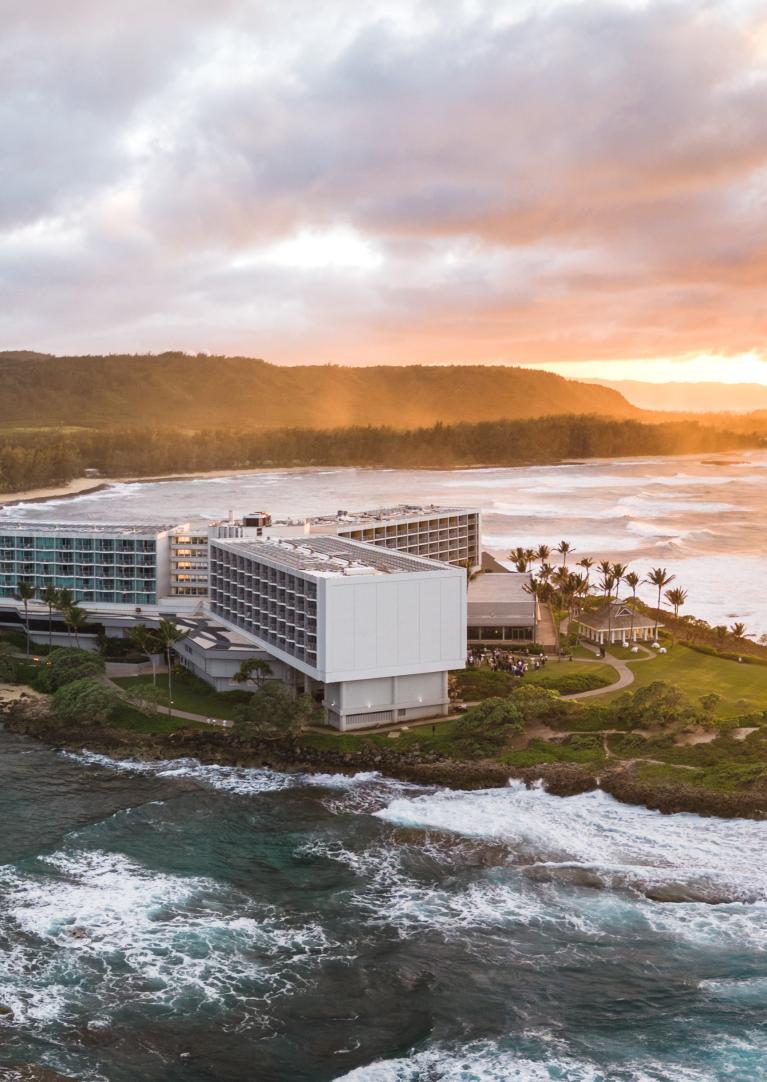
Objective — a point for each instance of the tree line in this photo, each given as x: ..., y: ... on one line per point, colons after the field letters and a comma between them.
x: 30, y: 458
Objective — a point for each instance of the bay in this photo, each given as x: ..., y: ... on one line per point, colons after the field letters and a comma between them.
x: 703, y: 519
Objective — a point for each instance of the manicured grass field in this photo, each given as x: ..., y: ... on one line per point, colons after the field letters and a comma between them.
x: 700, y: 674
x: 215, y: 705
x: 546, y: 676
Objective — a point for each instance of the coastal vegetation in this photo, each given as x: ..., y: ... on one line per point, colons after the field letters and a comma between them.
x: 40, y: 390
x: 36, y: 457
x: 656, y: 744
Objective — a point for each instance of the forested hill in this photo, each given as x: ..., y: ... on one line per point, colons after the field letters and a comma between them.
x: 188, y: 391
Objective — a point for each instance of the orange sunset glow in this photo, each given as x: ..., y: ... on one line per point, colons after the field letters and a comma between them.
x: 579, y: 186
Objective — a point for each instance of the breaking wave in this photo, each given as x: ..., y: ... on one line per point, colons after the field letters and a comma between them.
x: 547, y: 1061
x: 620, y: 845
x: 91, y: 931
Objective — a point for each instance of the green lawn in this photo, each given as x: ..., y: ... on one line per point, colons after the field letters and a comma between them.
x: 623, y: 653
x: 128, y: 717
x: 215, y: 705
x: 700, y: 674
x: 547, y: 676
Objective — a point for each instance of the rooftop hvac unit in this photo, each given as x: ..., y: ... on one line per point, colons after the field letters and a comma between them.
x: 257, y: 518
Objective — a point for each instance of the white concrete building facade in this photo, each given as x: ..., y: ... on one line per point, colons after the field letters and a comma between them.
x: 374, y: 632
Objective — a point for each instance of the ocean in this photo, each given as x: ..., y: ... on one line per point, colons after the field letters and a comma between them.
x: 171, y: 922
x: 705, y: 519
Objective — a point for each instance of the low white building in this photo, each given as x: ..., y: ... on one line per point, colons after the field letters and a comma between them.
x: 373, y: 632
x: 616, y: 623
x: 500, y: 610
x: 215, y: 654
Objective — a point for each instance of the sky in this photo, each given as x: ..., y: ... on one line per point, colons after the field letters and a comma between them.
x: 580, y: 186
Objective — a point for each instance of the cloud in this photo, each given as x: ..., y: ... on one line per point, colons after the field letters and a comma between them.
x: 574, y: 181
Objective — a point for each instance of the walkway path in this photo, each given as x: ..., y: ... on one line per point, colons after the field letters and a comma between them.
x: 625, y: 674
x: 162, y: 711
x: 545, y: 632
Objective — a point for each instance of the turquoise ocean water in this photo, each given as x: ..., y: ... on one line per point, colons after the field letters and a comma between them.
x: 179, y: 923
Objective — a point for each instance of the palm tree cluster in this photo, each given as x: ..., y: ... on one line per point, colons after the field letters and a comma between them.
x: 562, y: 587
x: 150, y: 641
x: 62, y: 601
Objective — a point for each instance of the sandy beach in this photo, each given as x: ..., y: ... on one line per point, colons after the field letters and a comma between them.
x: 81, y: 485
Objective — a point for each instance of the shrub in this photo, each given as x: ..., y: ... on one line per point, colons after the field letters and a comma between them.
x: 273, y: 711
x: 745, y: 659
x: 582, y: 749
x: 538, y: 704
x: 120, y: 649
x: 483, y: 683
x: 18, y: 640
x: 9, y: 669
x: 87, y: 701
x: 485, y: 728
x: 65, y: 665
x: 657, y: 704
x: 573, y: 683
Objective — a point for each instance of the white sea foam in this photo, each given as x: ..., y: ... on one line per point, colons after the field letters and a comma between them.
x: 363, y: 791
x: 749, y: 992
x: 622, y: 844
x: 93, y: 930
x: 245, y: 781
x: 486, y: 1061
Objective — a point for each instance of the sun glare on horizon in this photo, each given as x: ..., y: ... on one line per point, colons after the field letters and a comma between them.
x: 748, y: 367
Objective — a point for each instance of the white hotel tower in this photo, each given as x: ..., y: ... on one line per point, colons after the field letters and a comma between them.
x: 373, y: 631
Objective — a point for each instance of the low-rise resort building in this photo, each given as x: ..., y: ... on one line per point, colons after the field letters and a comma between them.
x: 617, y: 622
x: 500, y: 610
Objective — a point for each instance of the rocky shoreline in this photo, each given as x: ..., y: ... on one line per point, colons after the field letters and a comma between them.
x: 31, y: 717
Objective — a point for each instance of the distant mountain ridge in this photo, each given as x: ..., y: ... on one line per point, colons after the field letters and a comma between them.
x: 179, y: 390
x: 703, y: 397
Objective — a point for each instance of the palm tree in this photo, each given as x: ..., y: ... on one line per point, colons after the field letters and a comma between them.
x: 50, y: 596
x: 676, y: 598
x: 542, y: 554
x: 738, y: 630
x: 619, y: 573
x: 65, y: 599
x: 169, y: 634
x: 586, y: 563
x: 146, y: 641
x: 545, y: 572
x: 579, y: 585
x: 76, y: 618
x: 659, y: 577
x: 520, y: 558
x: 632, y: 580
x: 563, y: 582
x: 605, y: 569
x: 472, y: 572
x: 606, y: 584
x: 564, y: 548
x: 25, y: 591
x: 540, y: 592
